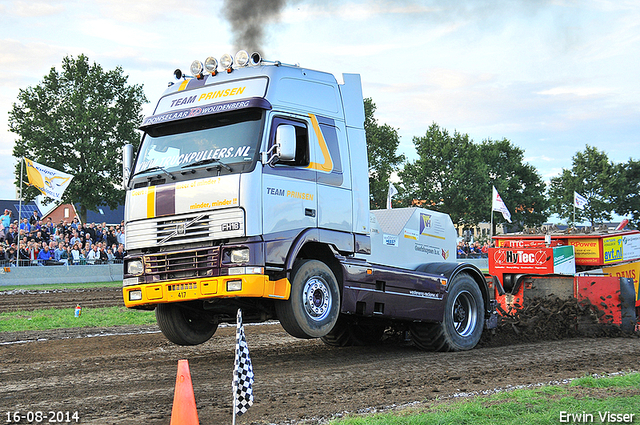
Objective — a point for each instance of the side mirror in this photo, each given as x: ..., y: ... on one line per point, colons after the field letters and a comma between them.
x: 286, y: 142
x: 127, y: 163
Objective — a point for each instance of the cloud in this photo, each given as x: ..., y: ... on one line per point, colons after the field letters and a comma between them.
x: 27, y: 9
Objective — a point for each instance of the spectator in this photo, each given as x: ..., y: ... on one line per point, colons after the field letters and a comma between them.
x: 75, y: 254
x: 25, y: 225
x: 93, y: 256
x: 104, y: 257
x: 11, y: 255
x: 119, y: 254
x: 3, y: 257
x: 65, y: 256
x: 44, y: 256
x: 5, y: 220
x: 34, y: 218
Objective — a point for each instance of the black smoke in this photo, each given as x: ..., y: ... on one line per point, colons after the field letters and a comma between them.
x: 249, y: 20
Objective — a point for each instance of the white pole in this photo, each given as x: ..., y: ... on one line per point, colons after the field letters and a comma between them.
x: 19, y: 212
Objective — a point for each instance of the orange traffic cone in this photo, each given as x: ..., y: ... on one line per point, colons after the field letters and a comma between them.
x: 184, y: 410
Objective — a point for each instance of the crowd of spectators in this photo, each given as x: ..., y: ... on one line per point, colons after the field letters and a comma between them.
x: 41, y: 242
x: 472, y: 250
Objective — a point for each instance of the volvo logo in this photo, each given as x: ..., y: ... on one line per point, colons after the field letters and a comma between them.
x: 180, y: 229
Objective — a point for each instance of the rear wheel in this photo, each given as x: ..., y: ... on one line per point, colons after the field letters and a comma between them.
x: 184, y: 325
x: 314, y: 304
x: 463, y: 321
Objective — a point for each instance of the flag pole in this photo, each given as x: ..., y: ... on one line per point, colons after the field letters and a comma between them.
x: 19, y: 212
x: 574, y: 210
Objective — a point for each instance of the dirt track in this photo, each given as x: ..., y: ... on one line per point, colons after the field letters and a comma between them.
x: 130, y: 379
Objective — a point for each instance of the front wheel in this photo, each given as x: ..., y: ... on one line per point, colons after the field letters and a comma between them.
x: 184, y: 325
x: 314, y: 304
x: 463, y: 321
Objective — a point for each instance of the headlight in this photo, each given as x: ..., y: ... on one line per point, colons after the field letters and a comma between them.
x: 211, y: 65
x: 196, y: 68
x: 234, y: 285
x: 135, y: 295
x: 226, y: 61
x: 134, y: 267
x: 240, y: 255
x: 242, y: 58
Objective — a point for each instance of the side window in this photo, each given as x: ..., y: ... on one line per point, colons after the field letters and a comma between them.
x: 302, y: 141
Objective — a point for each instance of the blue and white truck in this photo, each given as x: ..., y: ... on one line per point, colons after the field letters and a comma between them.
x: 250, y: 190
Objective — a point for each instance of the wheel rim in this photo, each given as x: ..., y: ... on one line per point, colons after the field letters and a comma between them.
x: 317, y: 299
x: 464, y: 313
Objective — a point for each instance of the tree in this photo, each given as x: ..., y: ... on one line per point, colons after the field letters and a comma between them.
x: 76, y: 121
x: 449, y: 176
x: 454, y: 175
x: 627, y: 192
x: 593, y: 176
x: 519, y: 183
x: 382, y: 144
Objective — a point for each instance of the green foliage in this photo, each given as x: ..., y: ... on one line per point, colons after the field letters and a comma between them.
x: 454, y: 175
x: 382, y: 144
x: 76, y: 121
x: 593, y: 176
x: 64, y: 318
x: 519, y: 183
x: 520, y: 407
x: 620, y: 381
x: 627, y: 192
x: 449, y: 176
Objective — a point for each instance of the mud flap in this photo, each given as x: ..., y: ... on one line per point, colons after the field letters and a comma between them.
x: 628, y: 305
x: 491, y: 318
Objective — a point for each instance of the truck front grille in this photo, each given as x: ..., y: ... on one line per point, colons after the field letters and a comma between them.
x: 181, y: 265
x: 185, y: 228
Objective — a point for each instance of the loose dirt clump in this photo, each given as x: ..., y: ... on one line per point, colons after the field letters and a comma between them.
x: 549, y: 319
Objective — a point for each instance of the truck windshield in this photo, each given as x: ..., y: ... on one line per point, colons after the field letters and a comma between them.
x: 230, y: 138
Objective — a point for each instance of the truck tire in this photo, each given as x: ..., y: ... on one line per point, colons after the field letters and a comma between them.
x: 347, y: 333
x: 314, y: 304
x: 463, y: 321
x: 184, y: 326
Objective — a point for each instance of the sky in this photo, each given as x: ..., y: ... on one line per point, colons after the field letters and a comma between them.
x: 552, y: 76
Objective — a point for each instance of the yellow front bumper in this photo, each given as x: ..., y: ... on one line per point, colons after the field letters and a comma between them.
x: 253, y: 286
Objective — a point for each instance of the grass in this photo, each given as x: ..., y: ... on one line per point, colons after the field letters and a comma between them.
x: 64, y: 318
x: 54, y: 286
x: 545, y: 405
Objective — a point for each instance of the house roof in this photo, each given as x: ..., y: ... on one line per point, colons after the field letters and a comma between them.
x: 104, y: 214
x: 14, y: 206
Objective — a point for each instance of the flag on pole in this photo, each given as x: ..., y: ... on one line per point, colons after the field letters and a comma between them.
x: 579, y: 201
x: 49, y: 182
x: 498, y: 205
x: 392, y: 191
x: 242, y: 372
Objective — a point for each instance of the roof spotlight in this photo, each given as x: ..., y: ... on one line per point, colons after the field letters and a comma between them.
x: 196, y: 69
x: 177, y: 73
x: 242, y: 58
x: 211, y: 65
x: 226, y: 61
x: 255, y: 58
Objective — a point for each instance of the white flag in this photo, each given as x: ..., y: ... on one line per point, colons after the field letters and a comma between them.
x: 498, y: 205
x: 50, y: 182
x: 579, y: 201
x: 242, y: 372
x: 392, y: 191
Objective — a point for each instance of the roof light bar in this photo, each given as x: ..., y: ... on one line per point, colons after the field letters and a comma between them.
x: 226, y: 62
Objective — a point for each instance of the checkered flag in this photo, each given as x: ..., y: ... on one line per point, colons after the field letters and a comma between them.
x: 242, y: 372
